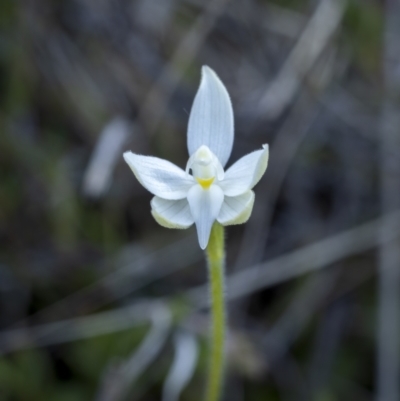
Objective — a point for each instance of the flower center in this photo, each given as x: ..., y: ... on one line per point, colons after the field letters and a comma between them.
x: 205, y: 167
x: 205, y: 182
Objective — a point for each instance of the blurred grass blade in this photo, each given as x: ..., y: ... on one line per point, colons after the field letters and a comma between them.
x: 117, y: 384
x: 182, y: 369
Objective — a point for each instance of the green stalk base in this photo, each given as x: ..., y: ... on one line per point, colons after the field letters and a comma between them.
x: 216, y: 259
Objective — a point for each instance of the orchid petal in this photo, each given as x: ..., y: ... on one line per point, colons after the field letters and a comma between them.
x: 245, y: 173
x: 236, y: 209
x: 205, y: 206
x: 171, y: 213
x: 211, y: 117
x: 159, y: 176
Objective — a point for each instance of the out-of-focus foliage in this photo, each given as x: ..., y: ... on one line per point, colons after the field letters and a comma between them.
x: 363, y: 28
x: 73, y: 247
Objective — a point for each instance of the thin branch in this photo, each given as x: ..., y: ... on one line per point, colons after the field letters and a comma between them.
x: 307, y: 259
x: 314, y: 39
x: 155, y: 104
x: 124, y: 280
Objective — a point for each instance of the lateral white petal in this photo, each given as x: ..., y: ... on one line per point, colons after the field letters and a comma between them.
x: 245, y: 173
x: 171, y: 213
x: 205, y: 206
x: 159, y: 176
x: 211, y: 117
x: 236, y: 209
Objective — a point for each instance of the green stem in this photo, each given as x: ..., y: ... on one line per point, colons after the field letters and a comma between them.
x: 216, y: 258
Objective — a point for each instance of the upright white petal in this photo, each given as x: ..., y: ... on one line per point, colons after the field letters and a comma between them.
x: 211, y: 117
x: 245, y: 173
x: 171, y: 213
x: 159, y: 176
x: 205, y: 206
x: 236, y: 209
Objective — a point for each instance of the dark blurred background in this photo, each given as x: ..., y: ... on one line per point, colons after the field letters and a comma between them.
x: 98, y: 302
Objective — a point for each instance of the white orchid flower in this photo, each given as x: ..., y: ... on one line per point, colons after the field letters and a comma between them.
x: 204, y: 192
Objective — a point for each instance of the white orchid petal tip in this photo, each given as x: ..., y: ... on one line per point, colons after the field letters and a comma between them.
x: 205, y: 206
x: 245, y: 173
x: 211, y: 117
x: 160, y: 177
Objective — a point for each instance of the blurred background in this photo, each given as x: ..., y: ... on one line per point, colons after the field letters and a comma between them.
x: 98, y: 302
